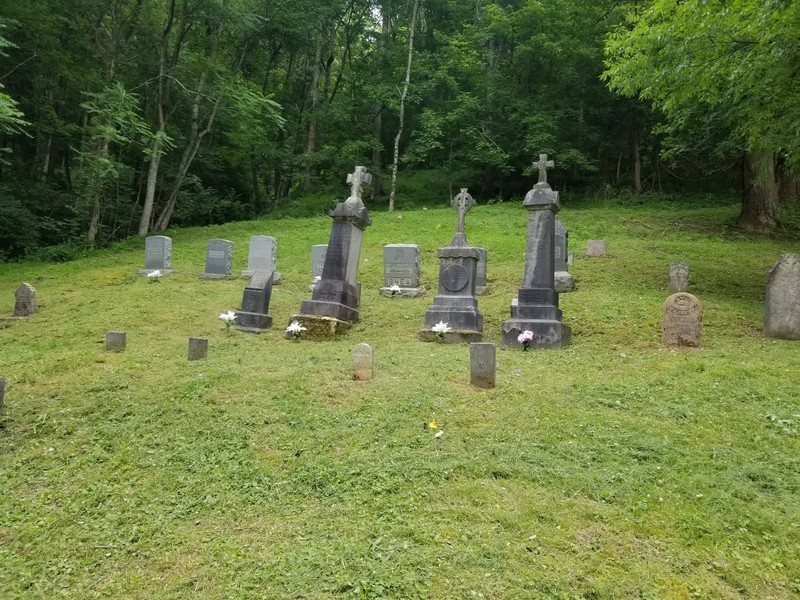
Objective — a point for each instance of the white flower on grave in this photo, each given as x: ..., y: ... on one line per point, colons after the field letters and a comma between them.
x: 316, y: 279
x: 441, y: 328
x: 295, y: 329
x: 228, y: 318
x: 154, y: 274
x: 394, y: 289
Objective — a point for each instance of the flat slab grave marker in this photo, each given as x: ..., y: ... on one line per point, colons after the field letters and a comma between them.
x: 483, y: 365
x: 25, y: 303
x: 219, y: 260
x: 401, y: 268
x: 596, y: 248
x: 782, y: 303
x: 678, y: 277
x: 198, y: 348
x: 262, y: 255
x: 683, y: 321
x: 363, y: 361
x: 116, y: 341
x: 157, y: 255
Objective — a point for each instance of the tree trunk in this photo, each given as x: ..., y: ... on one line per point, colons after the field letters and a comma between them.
x: 637, y: 165
x: 760, y: 191
x: 311, y: 142
x: 403, y: 95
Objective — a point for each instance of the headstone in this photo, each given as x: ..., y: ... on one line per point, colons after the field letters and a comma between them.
x: 482, y: 365
x: 683, y: 321
x: 254, y: 316
x: 362, y: 362
x: 401, y: 268
x: 678, y: 277
x: 116, y: 341
x: 480, y: 275
x: 564, y: 281
x: 219, y: 260
x: 456, y: 303
x: 570, y: 259
x: 25, y: 301
x: 198, y: 348
x: 318, y: 254
x: 537, y: 306
x: 782, y: 305
x: 596, y: 248
x: 262, y: 255
x: 157, y: 255
x: 336, y: 296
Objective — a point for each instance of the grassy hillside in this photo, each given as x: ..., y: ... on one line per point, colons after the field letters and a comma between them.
x: 614, y: 468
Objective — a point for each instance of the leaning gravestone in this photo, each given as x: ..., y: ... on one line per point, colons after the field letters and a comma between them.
x: 334, y: 303
x: 157, y: 255
x: 782, y: 305
x: 262, y: 255
x: 683, y: 321
x: 25, y: 301
x: 363, y: 358
x: 563, y: 280
x: 596, y: 248
x: 480, y: 274
x: 482, y: 365
x: 678, y: 277
x: 219, y: 260
x: 537, y: 309
x: 254, y: 316
x: 456, y: 304
x: 401, y: 268
x: 318, y: 254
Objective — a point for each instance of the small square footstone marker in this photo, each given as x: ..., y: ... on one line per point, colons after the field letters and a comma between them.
x: 116, y: 341
x: 678, y: 277
x: 782, y: 303
x: 219, y: 260
x: 683, y: 321
x: 363, y: 358
x: 596, y: 248
x: 25, y: 301
x: 482, y: 364
x: 198, y: 348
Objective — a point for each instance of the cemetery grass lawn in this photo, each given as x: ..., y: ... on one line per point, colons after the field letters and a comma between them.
x: 611, y: 469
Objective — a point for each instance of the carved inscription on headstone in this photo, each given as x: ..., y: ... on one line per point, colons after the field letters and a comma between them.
x: 683, y: 321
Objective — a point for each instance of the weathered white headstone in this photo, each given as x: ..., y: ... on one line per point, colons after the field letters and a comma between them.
x: 596, y: 248
x: 363, y: 358
x: 401, y: 269
x: 483, y: 364
x: 219, y: 260
x: 25, y: 303
x: 262, y: 255
x: 683, y: 321
x: 678, y: 277
x: 782, y: 304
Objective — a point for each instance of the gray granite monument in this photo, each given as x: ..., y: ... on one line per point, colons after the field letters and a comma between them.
x: 262, y: 255
x: 678, y: 277
x: 25, y: 303
x: 456, y: 304
x: 335, y: 297
x: 563, y: 280
x: 782, y: 304
x: 537, y: 307
x: 157, y: 255
x: 318, y: 254
x: 219, y: 260
x: 401, y: 271
x: 480, y: 277
x: 254, y: 315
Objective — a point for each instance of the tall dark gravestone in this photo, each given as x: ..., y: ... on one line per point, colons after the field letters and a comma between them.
x: 254, y: 316
x: 336, y: 294
x: 537, y: 307
x: 455, y: 304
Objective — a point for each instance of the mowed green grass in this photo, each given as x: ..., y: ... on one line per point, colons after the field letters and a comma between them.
x: 613, y: 468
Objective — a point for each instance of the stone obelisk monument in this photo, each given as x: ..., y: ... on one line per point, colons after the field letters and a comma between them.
x: 455, y: 304
x: 537, y: 308
x: 334, y: 303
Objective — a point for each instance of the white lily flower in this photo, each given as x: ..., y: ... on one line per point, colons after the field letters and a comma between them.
x: 228, y: 316
x: 394, y: 288
x: 441, y: 328
x: 295, y: 328
x: 154, y: 274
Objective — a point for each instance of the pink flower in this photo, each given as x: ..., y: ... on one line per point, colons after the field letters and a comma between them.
x: 525, y: 336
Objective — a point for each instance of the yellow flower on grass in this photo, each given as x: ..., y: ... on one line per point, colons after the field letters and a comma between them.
x: 433, y: 424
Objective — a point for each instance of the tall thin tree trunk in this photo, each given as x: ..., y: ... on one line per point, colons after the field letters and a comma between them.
x: 403, y: 105
x: 760, y: 191
x: 311, y: 142
x: 637, y: 164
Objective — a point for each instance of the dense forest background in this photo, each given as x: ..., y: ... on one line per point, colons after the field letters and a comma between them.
x: 122, y: 117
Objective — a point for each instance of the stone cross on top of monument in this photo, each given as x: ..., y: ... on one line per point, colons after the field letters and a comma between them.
x: 356, y: 179
x: 543, y: 164
x: 463, y: 202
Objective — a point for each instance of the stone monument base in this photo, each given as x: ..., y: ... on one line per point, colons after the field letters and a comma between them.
x: 216, y: 276
x: 252, y: 322
x: 564, y: 282
x: 546, y: 333
x: 276, y: 277
x: 164, y: 272
x: 454, y: 336
x: 403, y: 293
x: 318, y: 327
